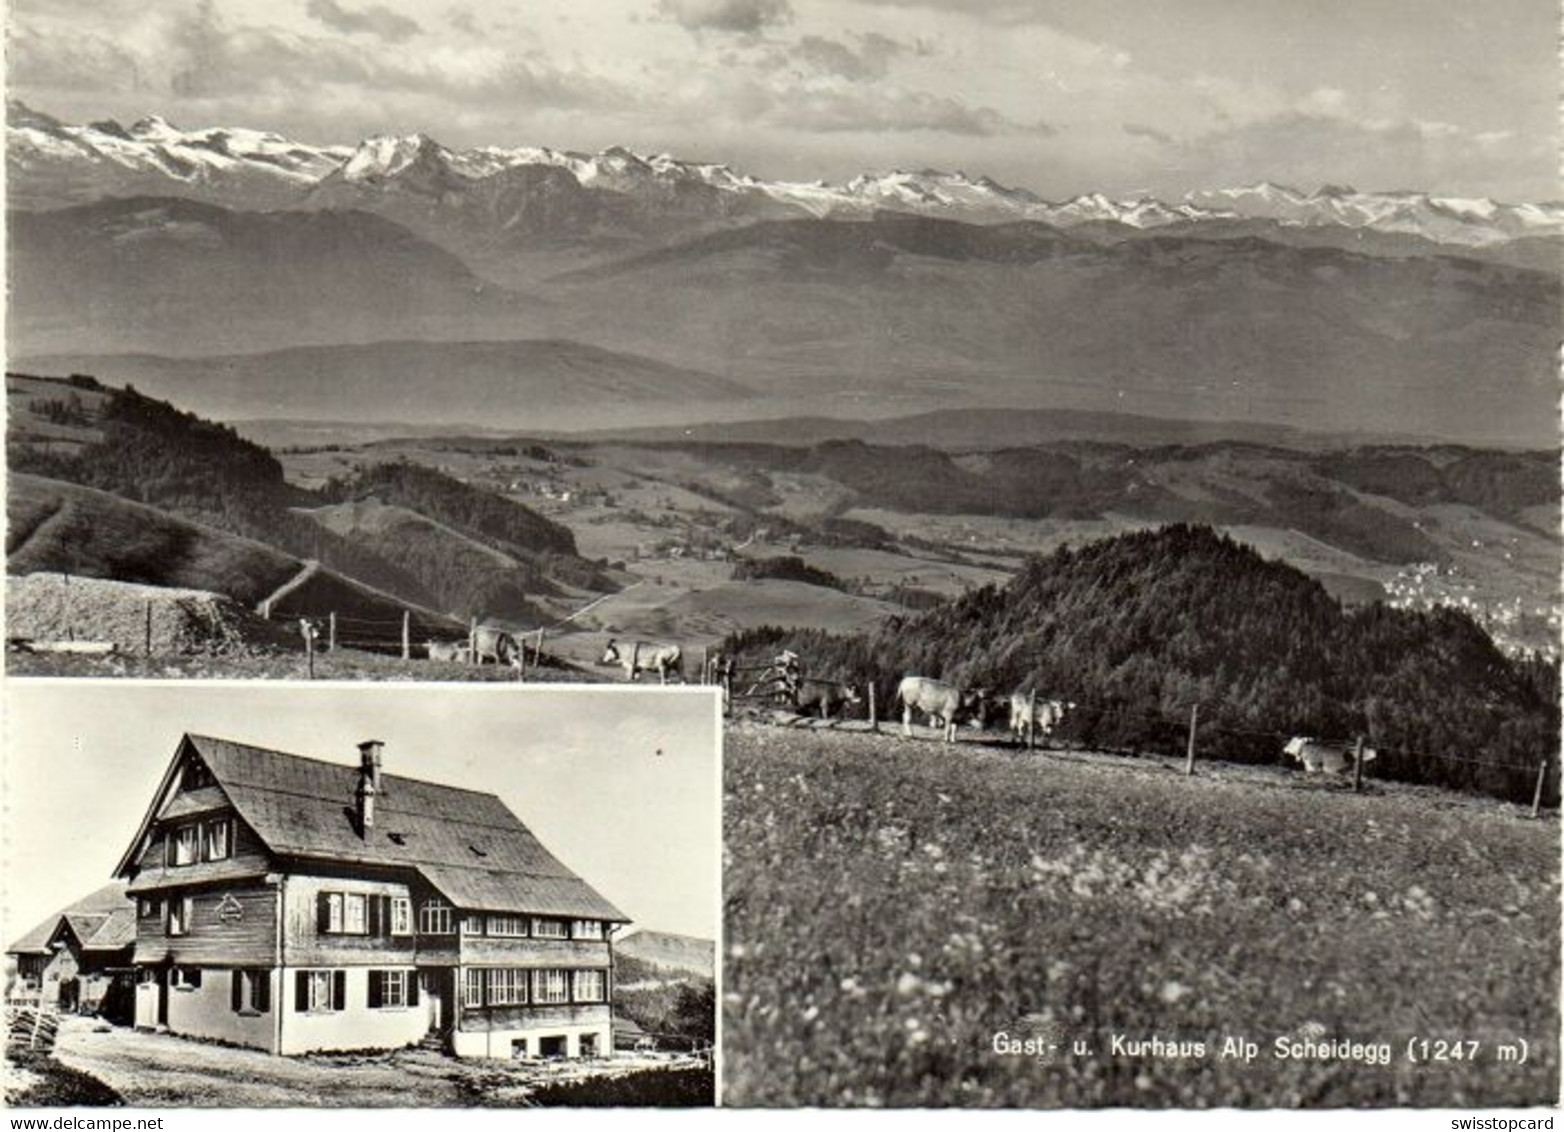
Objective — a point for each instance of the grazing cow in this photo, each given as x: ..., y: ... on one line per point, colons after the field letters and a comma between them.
x: 940, y: 701
x: 643, y: 657
x: 490, y: 643
x: 1048, y: 714
x: 827, y: 697
x: 458, y: 651
x: 1318, y: 757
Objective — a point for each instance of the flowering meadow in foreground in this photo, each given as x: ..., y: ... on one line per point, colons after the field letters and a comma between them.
x: 909, y: 923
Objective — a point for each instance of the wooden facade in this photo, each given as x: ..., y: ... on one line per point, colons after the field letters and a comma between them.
x: 293, y: 928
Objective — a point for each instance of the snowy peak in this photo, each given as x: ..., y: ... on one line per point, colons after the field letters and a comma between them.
x: 53, y: 163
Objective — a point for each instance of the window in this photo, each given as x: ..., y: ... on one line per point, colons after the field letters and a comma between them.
x: 472, y: 987
x: 344, y: 913
x: 392, y: 989
x: 507, y: 986
x: 401, y: 916
x: 508, y: 925
x: 184, y: 846
x: 472, y: 925
x: 586, y: 929
x: 149, y: 908
x: 316, y: 992
x: 214, y: 841
x: 551, y: 986
x: 250, y: 992
x: 184, y: 978
x: 200, y: 841
x: 550, y: 929
x: 587, y: 986
x: 181, y: 910
x: 434, y: 917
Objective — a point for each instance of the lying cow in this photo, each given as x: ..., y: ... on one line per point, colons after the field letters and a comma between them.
x: 457, y: 651
x: 815, y: 694
x: 1318, y: 757
x: 940, y: 701
x: 1042, y: 717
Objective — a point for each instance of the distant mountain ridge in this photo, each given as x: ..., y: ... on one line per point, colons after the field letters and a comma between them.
x: 667, y: 949
x: 52, y: 163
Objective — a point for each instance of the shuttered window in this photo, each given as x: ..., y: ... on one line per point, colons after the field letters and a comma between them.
x: 252, y: 991
x: 351, y: 913
x: 396, y: 988
x: 319, y: 991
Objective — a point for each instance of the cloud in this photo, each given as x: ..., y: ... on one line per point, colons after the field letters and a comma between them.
x: 870, y: 61
x: 93, y: 62
x: 745, y: 17
x: 833, y: 111
x: 1150, y: 133
x: 376, y: 20
x: 463, y: 20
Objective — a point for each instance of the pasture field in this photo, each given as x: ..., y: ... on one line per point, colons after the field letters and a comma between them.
x: 344, y: 664
x: 893, y: 906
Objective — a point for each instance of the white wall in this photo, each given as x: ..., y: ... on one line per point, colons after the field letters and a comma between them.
x: 356, y: 1026
x: 497, y: 1043
x: 207, y: 1012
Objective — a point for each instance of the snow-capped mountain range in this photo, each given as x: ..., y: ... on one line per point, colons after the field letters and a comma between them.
x: 51, y: 163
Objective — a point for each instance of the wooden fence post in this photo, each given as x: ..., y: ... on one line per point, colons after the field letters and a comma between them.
x: 472, y: 640
x: 537, y: 659
x: 331, y: 637
x: 874, y: 715
x: 149, y: 629
x: 309, y: 647
x: 1189, y: 757
x: 1357, y: 766
x: 1536, y: 798
x: 407, y: 635
x: 1031, y: 720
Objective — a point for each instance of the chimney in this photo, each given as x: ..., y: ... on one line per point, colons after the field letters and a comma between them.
x: 368, y: 783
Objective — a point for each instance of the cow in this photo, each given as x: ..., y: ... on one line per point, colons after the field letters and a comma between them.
x: 643, y: 657
x: 940, y: 701
x: 1047, y: 714
x: 458, y: 651
x: 824, y: 696
x: 1319, y: 757
x: 491, y: 643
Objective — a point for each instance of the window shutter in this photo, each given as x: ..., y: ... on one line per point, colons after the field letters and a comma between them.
x: 236, y: 990
x: 261, y: 991
x: 301, y: 992
x: 376, y: 989
x: 339, y: 990
x: 323, y: 912
x: 412, y: 988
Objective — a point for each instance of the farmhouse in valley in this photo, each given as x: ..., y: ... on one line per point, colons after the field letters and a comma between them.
x: 79, y: 958
x: 293, y: 904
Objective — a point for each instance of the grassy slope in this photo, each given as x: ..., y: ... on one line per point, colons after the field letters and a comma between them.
x: 891, y: 906
x: 62, y: 527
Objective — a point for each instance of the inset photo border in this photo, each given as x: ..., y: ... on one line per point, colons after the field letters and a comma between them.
x: 256, y: 894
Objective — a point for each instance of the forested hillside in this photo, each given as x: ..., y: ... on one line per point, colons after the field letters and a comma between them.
x: 1137, y: 628
x: 461, y: 550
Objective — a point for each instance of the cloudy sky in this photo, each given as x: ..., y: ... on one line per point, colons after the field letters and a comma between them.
x: 1061, y: 96
x: 621, y: 785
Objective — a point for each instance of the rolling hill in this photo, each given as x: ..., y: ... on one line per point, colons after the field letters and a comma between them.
x: 1135, y: 629
x: 532, y: 384
x: 905, y: 313
x: 669, y: 950
x: 173, y: 275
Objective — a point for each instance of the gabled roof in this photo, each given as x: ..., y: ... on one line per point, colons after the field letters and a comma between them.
x: 97, y: 920
x: 467, y: 844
